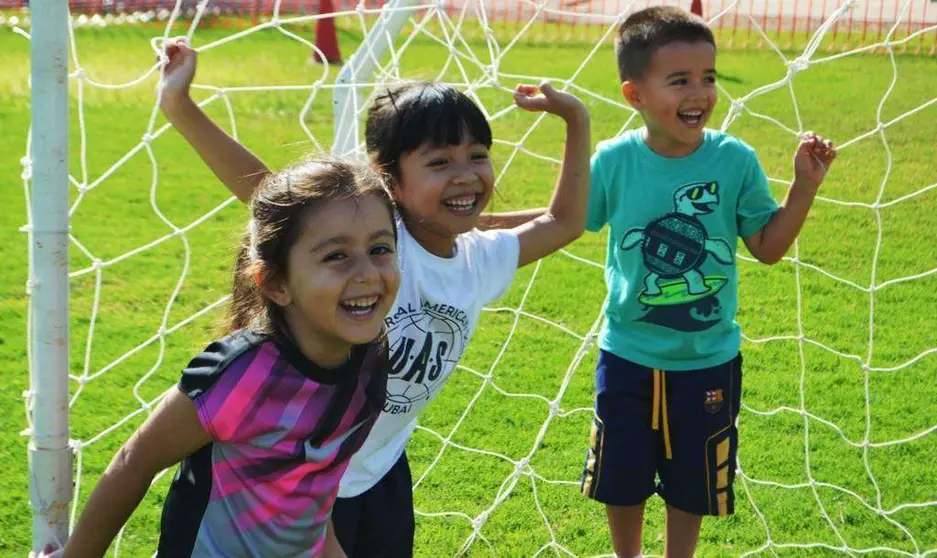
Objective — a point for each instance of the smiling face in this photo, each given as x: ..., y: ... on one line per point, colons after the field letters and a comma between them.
x: 341, y: 278
x: 442, y: 191
x: 676, y: 96
x: 433, y: 141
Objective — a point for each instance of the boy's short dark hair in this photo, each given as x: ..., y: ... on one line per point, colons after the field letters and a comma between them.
x: 647, y: 30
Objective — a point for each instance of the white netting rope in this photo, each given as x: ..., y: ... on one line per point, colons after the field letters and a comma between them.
x: 461, y: 55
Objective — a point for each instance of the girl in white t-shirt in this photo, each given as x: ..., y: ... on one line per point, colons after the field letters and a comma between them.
x: 432, y: 142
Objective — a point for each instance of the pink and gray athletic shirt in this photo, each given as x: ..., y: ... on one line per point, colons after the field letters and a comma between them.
x: 283, y: 430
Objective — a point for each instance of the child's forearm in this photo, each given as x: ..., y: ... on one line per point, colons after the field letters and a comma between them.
x: 508, y: 220
x: 571, y: 198
x: 237, y: 168
x: 781, y: 231
x: 115, y: 497
x: 565, y: 219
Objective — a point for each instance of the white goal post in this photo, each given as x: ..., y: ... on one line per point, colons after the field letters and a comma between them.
x: 347, y: 96
x: 50, y: 458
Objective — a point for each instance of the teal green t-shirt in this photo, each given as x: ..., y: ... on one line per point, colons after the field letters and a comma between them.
x: 670, y: 267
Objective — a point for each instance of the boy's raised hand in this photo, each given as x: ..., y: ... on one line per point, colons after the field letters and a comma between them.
x: 178, y: 73
x: 547, y: 99
x: 812, y: 160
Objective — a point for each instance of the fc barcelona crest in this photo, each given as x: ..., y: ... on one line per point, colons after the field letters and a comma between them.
x: 713, y: 401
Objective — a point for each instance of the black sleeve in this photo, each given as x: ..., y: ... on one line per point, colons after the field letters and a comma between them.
x: 206, y: 368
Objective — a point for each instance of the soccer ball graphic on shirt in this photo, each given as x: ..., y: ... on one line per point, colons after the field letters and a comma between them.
x: 425, y: 345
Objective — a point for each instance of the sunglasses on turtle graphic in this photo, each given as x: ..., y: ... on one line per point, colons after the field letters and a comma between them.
x: 696, y: 192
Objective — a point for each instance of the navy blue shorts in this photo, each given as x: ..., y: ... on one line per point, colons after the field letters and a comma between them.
x: 378, y: 523
x: 672, y: 433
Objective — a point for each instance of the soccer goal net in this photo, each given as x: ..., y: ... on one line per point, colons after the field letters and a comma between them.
x: 838, y: 427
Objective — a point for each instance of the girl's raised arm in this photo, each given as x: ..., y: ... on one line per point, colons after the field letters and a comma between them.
x: 565, y: 218
x: 234, y: 165
x: 171, y: 433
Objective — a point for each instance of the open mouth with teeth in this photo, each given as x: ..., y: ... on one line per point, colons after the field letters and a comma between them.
x: 692, y: 118
x: 360, y: 308
x: 463, y: 204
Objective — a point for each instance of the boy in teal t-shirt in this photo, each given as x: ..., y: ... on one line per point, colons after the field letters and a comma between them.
x: 677, y: 197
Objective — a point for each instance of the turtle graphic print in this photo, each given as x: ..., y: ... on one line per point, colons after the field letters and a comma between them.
x: 677, y: 294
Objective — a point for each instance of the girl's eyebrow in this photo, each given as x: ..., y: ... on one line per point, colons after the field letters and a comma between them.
x: 429, y: 149
x: 344, y: 239
x: 424, y: 151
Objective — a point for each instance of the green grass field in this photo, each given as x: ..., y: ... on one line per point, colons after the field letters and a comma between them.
x: 839, y: 99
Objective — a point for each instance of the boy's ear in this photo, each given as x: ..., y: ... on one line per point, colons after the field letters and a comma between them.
x: 631, y: 93
x: 272, y: 287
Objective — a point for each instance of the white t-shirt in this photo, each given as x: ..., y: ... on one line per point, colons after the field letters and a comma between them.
x: 428, y: 328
